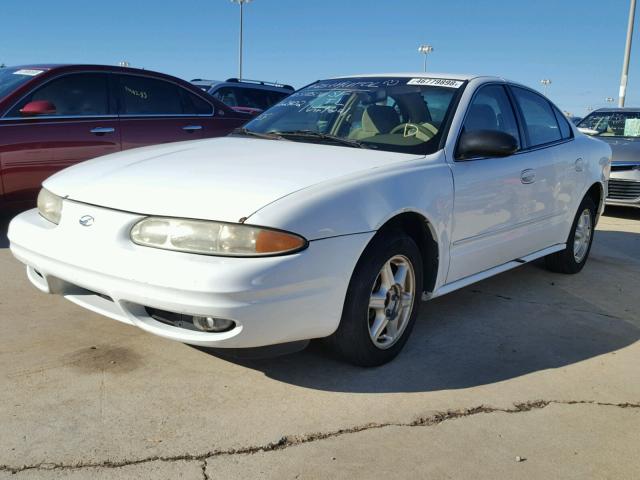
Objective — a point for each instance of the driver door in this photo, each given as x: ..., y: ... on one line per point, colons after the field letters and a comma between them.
x: 83, y: 126
x: 493, y: 201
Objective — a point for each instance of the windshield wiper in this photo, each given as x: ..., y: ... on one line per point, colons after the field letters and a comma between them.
x: 323, y: 136
x: 251, y: 133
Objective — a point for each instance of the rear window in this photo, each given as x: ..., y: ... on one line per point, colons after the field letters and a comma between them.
x: 563, y: 123
x: 540, y: 121
x: 249, y: 97
x: 149, y: 96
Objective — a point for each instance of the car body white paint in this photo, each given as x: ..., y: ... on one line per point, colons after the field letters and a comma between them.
x: 336, y: 197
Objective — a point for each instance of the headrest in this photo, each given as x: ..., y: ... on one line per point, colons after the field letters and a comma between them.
x: 481, y: 117
x: 380, y: 119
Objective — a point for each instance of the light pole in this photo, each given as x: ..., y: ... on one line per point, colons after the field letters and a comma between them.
x: 426, y: 50
x: 241, y: 3
x: 545, y: 82
x: 627, y: 54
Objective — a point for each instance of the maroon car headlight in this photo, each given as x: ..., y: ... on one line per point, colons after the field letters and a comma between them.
x: 50, y: 206
x: 214, y: 238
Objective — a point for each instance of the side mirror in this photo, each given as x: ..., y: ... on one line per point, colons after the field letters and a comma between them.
x: 38, y: 107
x: 486, y: 143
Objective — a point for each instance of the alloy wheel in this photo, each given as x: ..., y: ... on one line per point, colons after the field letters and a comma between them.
x: 391, y: 301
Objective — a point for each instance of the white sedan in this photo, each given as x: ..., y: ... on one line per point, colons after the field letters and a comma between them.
x: 328, y: 216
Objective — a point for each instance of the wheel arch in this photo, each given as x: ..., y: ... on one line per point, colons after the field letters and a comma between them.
x: 421, y: 230
x: 597, y: 193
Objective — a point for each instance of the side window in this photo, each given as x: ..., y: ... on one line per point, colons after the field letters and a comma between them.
x: 275, y: 97
x: 491, y: 110
x: 563, y: 123
x: 227, y: 96
x: 149, y: 96
x: 540, y: 121
x: 194, y: 105
x: 254, y: 98
x: 80, y: 94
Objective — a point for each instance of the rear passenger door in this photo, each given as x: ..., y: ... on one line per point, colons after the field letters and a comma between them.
x: 154, y: 110
x: 554, y: 161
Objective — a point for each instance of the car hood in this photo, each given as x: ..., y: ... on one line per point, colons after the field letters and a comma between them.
x: 216, y: 179
x: 624, y: 150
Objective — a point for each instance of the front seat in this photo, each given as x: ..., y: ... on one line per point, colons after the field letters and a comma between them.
x: 481, y: 117
x: 376, y: 120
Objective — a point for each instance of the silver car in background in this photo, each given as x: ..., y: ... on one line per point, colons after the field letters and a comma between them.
x: 620, y: 128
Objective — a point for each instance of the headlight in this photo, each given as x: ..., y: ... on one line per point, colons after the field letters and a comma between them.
x: 50, y: 206
x: 214, y: 238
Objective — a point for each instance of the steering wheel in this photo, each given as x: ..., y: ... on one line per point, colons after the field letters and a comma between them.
x: 422, y: 131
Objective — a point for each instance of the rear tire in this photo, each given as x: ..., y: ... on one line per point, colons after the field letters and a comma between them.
x: 573, y: 258
x: 382, y: 301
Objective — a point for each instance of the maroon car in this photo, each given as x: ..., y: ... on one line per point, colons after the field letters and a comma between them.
x: 52, y: 116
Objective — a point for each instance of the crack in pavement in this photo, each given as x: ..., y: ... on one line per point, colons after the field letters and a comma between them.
x: 293, y: 440
x: 205, y: 475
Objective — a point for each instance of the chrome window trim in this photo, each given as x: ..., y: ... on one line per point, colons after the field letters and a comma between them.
x: 166, y: 115
x: 60, y: 117
x: 62, y: 75
x: 98, y: 117
x: 521, y: 150
x: 106, y: 72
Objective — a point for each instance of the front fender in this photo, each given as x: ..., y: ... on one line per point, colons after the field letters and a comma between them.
x: 364, y: 202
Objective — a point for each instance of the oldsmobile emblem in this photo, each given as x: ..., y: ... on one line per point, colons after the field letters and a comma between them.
x: 86, y: 220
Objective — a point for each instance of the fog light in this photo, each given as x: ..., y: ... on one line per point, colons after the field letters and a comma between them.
x: 211, y: 324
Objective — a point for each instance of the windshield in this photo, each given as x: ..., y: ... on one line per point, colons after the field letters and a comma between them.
x: 12, y: 78
x: 612, y: 124
x: 398, y: 114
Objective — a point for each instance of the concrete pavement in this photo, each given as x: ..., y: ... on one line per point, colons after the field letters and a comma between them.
x: 529, y: 363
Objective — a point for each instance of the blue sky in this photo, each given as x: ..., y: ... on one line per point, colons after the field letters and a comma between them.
x: 578, y: 44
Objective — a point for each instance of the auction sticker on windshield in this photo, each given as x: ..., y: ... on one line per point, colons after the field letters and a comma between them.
x: 436, y: 82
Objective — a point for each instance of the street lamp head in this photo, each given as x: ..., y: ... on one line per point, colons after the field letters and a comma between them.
x: 545, y: 82
x: 425, y: 49
x: 241, y: 1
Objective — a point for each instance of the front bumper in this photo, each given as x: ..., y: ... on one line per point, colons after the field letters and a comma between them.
x: 624, y: 186
x: 272, y: 299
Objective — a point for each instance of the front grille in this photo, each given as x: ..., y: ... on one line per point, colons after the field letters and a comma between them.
x: 624, y: 167
x: 623, y: 190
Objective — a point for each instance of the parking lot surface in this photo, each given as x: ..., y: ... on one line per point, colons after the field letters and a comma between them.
x: 526, y: 375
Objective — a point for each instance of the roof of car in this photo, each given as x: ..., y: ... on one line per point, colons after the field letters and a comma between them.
x: 259, y: 84
x: 618, y: 109
x: 451, y: 76
x: 83, y: 66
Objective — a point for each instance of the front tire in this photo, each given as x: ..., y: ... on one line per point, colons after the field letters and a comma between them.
x: 382, y: 301
x: 573, y: 258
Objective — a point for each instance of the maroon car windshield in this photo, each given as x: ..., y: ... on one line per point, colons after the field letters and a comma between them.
x: 12, y: 78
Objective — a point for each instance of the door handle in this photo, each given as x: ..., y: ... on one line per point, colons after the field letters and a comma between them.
x: 528, y: 176
x: 579, y: 165
x: 192, y: 128
x: 102, y: 130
